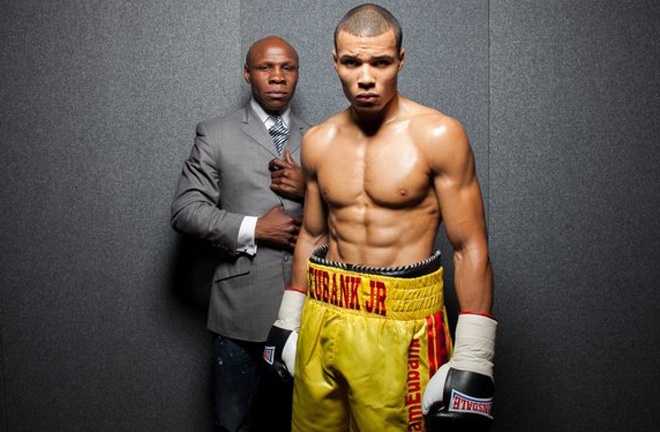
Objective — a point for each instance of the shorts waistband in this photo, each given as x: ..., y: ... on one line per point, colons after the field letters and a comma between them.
x: 429, y: 265
x: 403, y: 293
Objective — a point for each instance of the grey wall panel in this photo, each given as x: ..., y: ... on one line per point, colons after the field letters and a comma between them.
x: 575, y: 120
x: 99, y: 104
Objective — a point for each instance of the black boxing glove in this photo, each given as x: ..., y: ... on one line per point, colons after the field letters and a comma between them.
x: 459, y: 395
x: 280, y: 348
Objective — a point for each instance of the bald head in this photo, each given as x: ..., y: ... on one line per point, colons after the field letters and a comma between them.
x: 369, y: 20
x: 264, y: 44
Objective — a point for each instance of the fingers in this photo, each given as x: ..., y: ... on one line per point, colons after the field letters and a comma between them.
x: 282, y: 179
x: 293, y: 238
x: 287, y: 179
x: 287, y: 162
x: 279, y: 174
x: 286, y: 235
x: 276, y: 164
x: 283, y: 188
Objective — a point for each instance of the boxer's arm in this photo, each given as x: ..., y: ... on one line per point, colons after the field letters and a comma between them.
x: 461, y: 207
x: 314, y: 229
x: 468, y: 377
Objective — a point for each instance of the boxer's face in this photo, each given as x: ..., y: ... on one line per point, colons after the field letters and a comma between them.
x: 272, y: 72
x: 368, y: 68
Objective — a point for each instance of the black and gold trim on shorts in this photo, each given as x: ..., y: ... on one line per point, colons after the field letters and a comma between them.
x: 422, y: 268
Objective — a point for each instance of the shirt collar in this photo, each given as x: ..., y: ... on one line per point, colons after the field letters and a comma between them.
x: 266, y: 119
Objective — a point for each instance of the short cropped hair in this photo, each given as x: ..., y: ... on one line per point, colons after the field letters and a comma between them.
x: 369, y: 20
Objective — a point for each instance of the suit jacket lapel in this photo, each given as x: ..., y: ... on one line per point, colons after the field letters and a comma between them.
x: 255, y: 129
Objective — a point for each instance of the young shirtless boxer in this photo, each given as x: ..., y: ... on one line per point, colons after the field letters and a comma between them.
x: 373, y: 351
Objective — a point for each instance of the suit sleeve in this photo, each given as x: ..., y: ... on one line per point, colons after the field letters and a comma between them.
x: 196, y: 209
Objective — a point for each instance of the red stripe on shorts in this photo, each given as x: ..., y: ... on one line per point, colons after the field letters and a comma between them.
x: 438, y: 353
x: 432, y: 339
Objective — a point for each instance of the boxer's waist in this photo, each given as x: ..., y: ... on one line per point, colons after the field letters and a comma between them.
x: 409, y: 292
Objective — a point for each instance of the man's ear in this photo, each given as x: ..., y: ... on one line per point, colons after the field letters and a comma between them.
x: 402, y: 58
x: 334, y: 58
x: 246, y: 73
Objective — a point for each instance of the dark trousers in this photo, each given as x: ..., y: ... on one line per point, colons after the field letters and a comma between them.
x: 247, y: 397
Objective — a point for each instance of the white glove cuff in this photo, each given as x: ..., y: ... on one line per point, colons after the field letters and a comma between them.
x: 291, y: 306
x: 474, y: 348
x: 289, y: 352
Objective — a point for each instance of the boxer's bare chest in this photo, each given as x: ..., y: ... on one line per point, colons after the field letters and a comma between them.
x: 385, y: 172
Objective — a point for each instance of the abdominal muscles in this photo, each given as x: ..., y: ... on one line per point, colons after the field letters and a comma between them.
x: 383, y: 236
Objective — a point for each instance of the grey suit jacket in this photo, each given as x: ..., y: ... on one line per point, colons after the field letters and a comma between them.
x: 226, y: 178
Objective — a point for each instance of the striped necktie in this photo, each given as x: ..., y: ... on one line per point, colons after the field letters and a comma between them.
x: 278, y: 133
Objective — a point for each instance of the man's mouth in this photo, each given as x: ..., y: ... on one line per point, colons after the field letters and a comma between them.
x: 367, y: 97
x: 277, y: 95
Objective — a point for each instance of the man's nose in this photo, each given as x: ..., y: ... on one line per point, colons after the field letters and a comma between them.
x: 366, y: 77
x: 277, y: 76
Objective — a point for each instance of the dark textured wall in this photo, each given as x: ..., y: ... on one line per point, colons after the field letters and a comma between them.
x: 574, y: 186
x: 102, y: 320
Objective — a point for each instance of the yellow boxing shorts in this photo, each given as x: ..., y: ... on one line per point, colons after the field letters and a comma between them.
x: 370, y: 339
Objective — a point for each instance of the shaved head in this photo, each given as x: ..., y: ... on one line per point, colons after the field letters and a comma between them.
x: 369, y: 20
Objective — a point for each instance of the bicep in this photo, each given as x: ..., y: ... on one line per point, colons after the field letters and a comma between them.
x: 314, y: 222
x: 457, y: 190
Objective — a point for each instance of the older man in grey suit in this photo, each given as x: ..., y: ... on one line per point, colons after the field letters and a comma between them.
x: 241, y: 189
